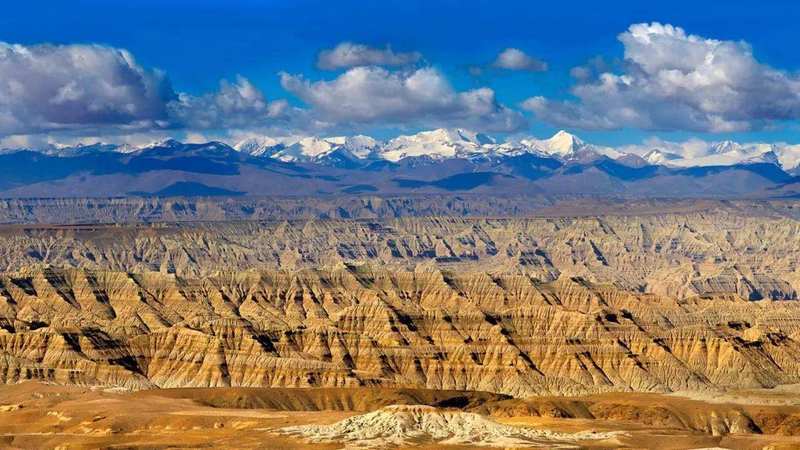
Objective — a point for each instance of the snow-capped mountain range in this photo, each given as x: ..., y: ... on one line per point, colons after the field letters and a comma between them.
x: 728, y: 153
x: 308, y: 149
x: 437, y: 144
x: 444, y: 160
x: 443, y: 144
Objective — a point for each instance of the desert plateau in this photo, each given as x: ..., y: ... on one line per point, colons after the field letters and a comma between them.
x: 634, y: 329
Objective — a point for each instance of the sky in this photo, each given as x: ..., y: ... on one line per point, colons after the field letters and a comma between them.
x: 618, y: 74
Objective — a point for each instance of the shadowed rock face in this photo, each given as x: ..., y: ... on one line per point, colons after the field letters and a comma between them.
x: 508, y: 334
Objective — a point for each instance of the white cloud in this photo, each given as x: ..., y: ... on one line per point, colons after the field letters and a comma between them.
x: 91, y: 90
x: 27, y: 141
x: 475, y: 71
x: 592, y: 68
x: 516, y: 59
x: 418, y: 97
x: 75, y: 138
x: 79, y: 92
x: 348, y: 54
x: 690, y: 148
x: 234, y: 105
x: 57, y: 87
x: 672, y: 80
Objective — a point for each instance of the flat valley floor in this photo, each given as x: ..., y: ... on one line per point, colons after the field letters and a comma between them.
x: 35, y: 415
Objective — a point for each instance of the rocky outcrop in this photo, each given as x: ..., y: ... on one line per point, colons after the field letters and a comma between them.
x: 359, y: 326
x: 399, y: 426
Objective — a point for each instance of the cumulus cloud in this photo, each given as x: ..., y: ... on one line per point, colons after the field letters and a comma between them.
x: 348, y: 54
x: 592, y: 68
x: 47, y: 87
x: 60, y: 139
x: 516, y: 59
x: 78, y: 91
x: 420, y: 97
x: 234, y: 105
x: 690, y: 148
x: 671, y: 80
x: 93, y: 89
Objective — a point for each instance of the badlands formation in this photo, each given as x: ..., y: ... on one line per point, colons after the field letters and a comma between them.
x: 508, y: 334
x: 646, y: 330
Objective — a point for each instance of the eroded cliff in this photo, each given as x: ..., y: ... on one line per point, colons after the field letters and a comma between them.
x: 362, y: 326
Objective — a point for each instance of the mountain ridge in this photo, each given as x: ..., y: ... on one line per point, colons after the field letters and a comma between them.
x: 459, y: 143
x: 439, y: 161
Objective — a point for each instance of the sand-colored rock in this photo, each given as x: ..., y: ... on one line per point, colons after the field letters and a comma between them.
x: 357, y: 326
x: 402, y: 425
x: 678, y: 328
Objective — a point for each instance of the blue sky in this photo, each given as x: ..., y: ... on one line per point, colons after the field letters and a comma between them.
x: 198, y: 43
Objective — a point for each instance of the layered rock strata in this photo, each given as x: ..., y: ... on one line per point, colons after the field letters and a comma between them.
x: 363, y: 326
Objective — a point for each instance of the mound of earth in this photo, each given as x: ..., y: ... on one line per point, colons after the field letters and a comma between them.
x: 401, y: 425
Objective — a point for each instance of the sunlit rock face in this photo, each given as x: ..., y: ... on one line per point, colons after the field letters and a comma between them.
x: 356, y: 326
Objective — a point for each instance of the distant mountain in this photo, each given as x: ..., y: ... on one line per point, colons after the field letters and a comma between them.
x: 563, y: 143
x: 442, y: 144
x: 435, y: 145
x: 259, y: 146
x: 659, y: 157
x: 564, y: 146
x: 438, y: 144
x: 444, y: 160
x: 336, y: 151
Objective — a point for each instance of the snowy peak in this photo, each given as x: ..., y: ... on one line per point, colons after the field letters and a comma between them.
x: 361, y: 146
x: 439, y: 144
x: 726, y: 153
x: 445, y: 136
x: 659, y: 157
x: 164, y: 143
x: 769, y: 157
x: 258, y: 146
x: 308, y: 148
x: 458, y: 143
x: 472, y: 137
x: 563, y: 143
x: 726, y: 147
x: 567, y: 146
